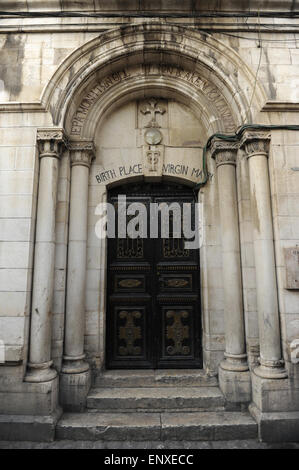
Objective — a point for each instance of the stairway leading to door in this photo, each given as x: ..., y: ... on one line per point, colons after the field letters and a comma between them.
x: 173, y: 405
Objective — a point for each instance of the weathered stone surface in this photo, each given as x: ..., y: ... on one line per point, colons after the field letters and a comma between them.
x: 274, y: 395
x: 73, y: 390
x: 150, y: 5
x: 70, y: 444
x: 235, y: 386
x: 208, y: 426
x: 21, y: 398
x: 109, y: 426
x: 29, y: 428
x: 276, y: 427
x: 154, y: 378
x: 150, y: 426
x: 157, y: 398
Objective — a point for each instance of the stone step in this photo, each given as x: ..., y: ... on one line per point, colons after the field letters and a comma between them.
x: 155, y: 378
x: 197, y: 426
x: 155, y: 399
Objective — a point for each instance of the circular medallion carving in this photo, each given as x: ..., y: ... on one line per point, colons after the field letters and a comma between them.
x: 153, y: 137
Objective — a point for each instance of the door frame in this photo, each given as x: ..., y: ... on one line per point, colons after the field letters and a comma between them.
x: 197, y: 362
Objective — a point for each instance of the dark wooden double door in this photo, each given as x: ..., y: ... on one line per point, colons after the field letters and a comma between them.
x: 153, y: 294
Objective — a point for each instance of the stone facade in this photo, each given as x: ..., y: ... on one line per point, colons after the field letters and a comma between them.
x: 77, y: 96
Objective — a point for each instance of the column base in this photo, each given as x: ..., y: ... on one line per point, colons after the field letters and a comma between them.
x: 235, y: 385
x: 74, y: 364
x: 235, y: 362
x: 74, y: 388
x: 271, y: 370
x: 43, y: 372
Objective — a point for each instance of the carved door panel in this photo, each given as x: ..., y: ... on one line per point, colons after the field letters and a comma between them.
x: 177, y: 294
x: 153, y: 304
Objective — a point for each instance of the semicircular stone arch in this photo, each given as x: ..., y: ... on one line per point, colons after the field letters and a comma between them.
x: 140, y: 81
x: 201, y: 70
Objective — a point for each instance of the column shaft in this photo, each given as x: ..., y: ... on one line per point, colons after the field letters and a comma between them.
x: 235, y: 349
x: 266, y: 284
x: 75, y: 303
x: 75, y: 297
x: 43, y: 274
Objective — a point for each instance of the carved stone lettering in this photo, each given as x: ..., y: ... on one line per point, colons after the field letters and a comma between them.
x: 169, y: 71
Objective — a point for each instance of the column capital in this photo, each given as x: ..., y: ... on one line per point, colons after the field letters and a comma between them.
x: 224, y: 152
x: 255, y: 143
x: 51, y: 142
x: 82, y: 152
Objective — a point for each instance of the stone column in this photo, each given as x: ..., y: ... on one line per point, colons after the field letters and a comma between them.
x: 256, y: 146
x: 50, y: 142
x: 225, y: 154
x: 232, y: 368
x: 75, y: 371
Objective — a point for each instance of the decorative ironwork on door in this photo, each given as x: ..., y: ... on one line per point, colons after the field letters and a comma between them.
x: 153, y: 293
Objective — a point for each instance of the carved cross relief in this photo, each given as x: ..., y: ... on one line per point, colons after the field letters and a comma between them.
x: 153, y: 151
x: 152, y: 108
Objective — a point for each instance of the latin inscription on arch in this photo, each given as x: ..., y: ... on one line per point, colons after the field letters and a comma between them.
x: 108, y: 82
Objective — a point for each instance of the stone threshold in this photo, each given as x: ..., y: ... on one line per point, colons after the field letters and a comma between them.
x: 152, y: 378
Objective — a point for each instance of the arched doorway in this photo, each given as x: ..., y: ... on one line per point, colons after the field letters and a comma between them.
x: 153, y: 291
x: 168, y: 63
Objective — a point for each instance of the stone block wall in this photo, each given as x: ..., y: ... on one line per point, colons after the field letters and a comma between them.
x: 31, y: 51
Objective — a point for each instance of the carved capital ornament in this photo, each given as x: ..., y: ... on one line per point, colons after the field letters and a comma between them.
x: 224, y: 152
x: 255, y: 143
x: 82, y: 153
x: 51, y: 142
